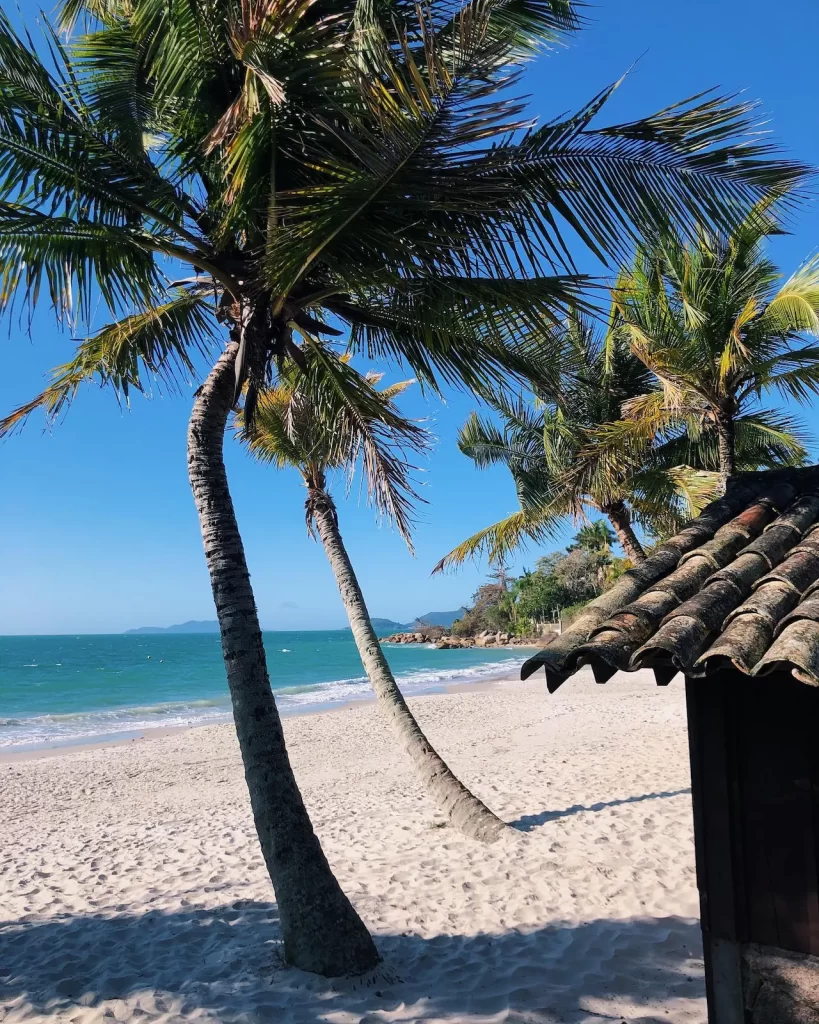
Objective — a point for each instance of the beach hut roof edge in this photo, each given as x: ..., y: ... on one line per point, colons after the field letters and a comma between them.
x: 735, y: 588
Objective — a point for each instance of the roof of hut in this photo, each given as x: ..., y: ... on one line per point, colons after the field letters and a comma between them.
x: 737, y: 587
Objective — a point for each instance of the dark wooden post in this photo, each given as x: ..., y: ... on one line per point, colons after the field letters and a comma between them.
x: 755, y: 782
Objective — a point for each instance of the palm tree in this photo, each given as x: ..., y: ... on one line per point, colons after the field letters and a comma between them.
x: 303, y: 423
x: 714, y: 323
x: 293, y: 163
x: 570, y: 452
x: 547, y: 444
x: 595, y: 537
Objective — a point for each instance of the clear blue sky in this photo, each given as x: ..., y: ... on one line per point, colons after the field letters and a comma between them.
x: 98, y: 530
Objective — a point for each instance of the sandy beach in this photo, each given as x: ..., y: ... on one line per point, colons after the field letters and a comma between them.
x: 132, y: 887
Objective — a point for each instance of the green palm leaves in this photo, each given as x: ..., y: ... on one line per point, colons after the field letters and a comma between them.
x: 551, y: 450
x: 715, y: 326
x: 359, y: 164
x: 327, y: 416
x: 627, y: 429
x: 155, y: 344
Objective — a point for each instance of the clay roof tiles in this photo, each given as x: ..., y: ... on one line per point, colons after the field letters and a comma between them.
x: 737, y: 587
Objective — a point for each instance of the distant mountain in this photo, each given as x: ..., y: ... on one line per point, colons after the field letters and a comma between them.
x: 444, y: 619
x: 382, y: 626
x: 387, y: 626
x: 193, y: 626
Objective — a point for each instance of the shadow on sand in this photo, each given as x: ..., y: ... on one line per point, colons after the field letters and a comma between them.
x: 224, y: 964
x: 528, y: 822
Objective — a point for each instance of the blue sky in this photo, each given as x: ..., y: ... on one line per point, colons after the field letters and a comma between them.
x: 98, y: 530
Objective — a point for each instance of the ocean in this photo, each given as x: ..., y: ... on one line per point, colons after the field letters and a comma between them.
x: 58, y: 690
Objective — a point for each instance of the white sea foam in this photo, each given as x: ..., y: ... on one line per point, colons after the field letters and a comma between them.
x: 78, y: 726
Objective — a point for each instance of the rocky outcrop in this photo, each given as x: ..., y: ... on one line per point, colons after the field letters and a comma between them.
x: 447, y: 642
x: 410, y: 638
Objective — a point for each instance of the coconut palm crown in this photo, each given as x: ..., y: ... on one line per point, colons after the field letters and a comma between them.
x: 571, y: 454
x: 327, y: 417
x: 325, y: 168
x: 720, y: 330
x: 546, y: 441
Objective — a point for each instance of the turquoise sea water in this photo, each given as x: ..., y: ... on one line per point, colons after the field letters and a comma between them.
x: 62, y: 689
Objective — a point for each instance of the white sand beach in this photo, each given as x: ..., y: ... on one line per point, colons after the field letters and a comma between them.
x: 132, y: 887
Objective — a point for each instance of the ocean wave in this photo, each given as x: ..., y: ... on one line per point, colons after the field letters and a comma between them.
x: 77, y: 726
x: 411, y: 682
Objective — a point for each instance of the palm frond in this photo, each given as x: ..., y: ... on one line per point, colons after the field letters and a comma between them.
x: 331, y: 416
x: 795, y: 307
x: 468, y: 332
x: 768, y: 438
x: 501, y: 539
x: 70, y: 258
x: 155, y: 344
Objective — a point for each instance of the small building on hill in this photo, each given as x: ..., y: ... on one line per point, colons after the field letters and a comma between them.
x: 732, y: 603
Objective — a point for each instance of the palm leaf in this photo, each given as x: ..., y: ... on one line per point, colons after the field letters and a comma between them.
x: 501, y: 539
x: 156, y: 343
x: 330, y: 416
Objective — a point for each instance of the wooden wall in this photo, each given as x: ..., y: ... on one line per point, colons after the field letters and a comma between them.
x: 755, y: 784
x: 755, y: 780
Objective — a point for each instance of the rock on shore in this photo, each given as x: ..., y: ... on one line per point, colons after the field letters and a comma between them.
x: 444, y: 642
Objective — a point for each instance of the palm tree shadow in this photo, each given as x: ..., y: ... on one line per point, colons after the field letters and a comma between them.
x: 529, y: 822
x: 225, y: 965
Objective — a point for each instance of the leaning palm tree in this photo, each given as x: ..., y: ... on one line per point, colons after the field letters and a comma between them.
x: 328, y: 419
x: 545, y: 443
x: 570, y: 453
x: 242, y: 172
x: 714, y: 323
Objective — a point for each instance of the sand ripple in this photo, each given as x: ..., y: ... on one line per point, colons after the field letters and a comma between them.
x: 132, y: 889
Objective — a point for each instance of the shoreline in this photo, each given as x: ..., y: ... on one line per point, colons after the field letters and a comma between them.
x: 135, y: 889
x: 10, y: 755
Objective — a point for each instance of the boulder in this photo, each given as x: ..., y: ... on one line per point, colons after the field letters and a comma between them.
x: 452, y: 643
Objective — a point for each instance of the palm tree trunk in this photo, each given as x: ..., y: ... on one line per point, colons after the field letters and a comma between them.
x: 727, y: 449
x: 620, y: 519
x: 464, y: 810
x: 321, y: 931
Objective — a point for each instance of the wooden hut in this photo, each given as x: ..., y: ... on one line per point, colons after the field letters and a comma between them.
x: 732, y: 603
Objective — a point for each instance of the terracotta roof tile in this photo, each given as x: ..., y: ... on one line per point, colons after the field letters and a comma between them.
x: 736, y: 587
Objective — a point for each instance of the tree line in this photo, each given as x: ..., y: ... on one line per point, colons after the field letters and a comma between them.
x: 271, y: 189
x: 560, y: 584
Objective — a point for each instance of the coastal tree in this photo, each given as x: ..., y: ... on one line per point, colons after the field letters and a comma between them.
x: 713, y: 321
x: 547, y: 442
x: 595, y: 537
x: 560, y: 582
x: 329, y: 419
x: 572, y: 452
x: 264, y: 175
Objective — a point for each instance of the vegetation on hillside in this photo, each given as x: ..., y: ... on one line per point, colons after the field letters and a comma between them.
x: 559, y: 584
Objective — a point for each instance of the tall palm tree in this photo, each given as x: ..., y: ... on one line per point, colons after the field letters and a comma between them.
x: 716, y: 325
x: 546, y: 442
x: 570, y: 452
x: 289, y: 164
x: 307, y: 423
